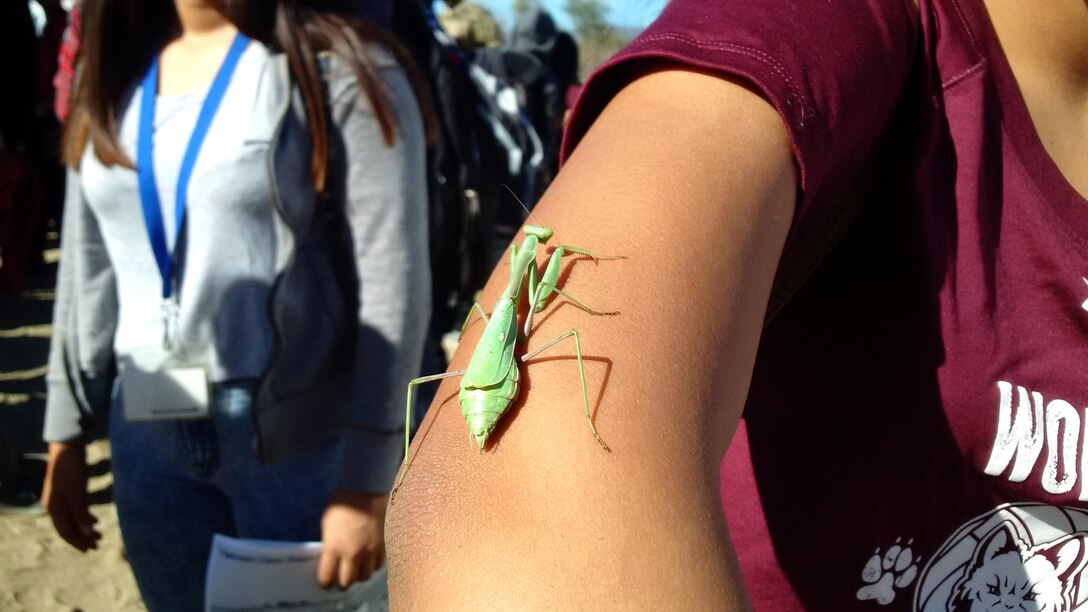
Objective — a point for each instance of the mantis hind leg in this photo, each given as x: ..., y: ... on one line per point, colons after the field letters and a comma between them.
x: 581, y: 374
x: 451, y: 339
x: 475, y: 307
x: 412, y: 384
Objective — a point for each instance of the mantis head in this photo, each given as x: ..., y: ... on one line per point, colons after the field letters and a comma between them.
x: 543, y: 234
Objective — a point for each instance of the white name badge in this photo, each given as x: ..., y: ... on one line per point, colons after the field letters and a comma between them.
x: 169, y: 393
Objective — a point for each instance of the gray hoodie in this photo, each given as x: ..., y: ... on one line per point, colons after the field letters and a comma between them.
x: 316, y: 386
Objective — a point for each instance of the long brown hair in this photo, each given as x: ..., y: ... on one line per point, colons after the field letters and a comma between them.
x: 120, y: 37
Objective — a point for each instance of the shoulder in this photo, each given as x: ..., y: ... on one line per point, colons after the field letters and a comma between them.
x: 343, y: 81
x: 375, y: 101
x: 833, y: 93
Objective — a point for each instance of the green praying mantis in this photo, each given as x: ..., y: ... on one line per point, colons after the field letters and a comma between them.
x: 489, y: 385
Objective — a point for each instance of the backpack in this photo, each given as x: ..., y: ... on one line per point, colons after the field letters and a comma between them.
x: 512, y: 85
x: 453, y: 164
x: 483, y: 143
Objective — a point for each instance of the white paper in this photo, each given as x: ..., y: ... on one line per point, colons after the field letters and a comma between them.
x: 258, y: 575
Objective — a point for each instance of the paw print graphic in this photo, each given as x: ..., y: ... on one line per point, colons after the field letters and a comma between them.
x: 885, y: 574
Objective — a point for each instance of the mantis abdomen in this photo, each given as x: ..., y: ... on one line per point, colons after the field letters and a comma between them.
x: 490, y: 383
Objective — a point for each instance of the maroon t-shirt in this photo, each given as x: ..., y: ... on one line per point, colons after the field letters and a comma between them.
x: 915, y: 433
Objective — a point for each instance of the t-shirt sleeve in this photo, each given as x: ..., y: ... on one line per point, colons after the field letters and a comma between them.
x: 833, y: 69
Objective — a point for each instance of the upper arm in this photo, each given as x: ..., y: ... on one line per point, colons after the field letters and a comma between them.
x: 84, y: 272
x: 743, y: 121
x: 691, y: 178
x: 384, y: 186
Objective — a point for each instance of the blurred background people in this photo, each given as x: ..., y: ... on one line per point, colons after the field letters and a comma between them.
x: 471, y: 25
x: 21, y: 146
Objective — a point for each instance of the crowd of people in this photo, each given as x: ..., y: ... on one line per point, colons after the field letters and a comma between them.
x: 31, y: 178
x: 30, y: 170
x: 850, y: 291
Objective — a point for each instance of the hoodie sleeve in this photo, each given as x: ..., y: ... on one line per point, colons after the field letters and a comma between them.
x: 386, y: 204
x: 79, y: 378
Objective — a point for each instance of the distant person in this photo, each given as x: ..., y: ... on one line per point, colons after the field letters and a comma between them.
x: 244, y: 284
x: 20, y: 185
x: 20, y: 209
x: 19, y: 71
x: 564, y: 61
x: 66, y: 60
x: 471, y: 25
x: 44, y: 143
x: 536, y: 34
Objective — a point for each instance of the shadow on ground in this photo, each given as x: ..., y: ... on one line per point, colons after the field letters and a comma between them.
x: 25, y: 332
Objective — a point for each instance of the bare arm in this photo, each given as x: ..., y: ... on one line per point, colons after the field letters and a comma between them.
x: 691, y: 177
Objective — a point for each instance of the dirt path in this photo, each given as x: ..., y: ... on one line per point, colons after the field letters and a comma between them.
x: 38, y: 570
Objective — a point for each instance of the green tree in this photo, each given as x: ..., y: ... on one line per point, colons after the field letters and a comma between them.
x: 522, y: 6
x: 590, y: 17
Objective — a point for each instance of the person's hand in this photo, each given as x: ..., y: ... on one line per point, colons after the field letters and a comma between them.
x: 64, y: 495
x: 353, y: 538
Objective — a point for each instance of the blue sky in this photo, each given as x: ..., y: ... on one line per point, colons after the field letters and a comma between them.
x: 624, y: 13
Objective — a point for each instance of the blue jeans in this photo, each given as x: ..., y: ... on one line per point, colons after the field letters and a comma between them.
x: 176, y: 483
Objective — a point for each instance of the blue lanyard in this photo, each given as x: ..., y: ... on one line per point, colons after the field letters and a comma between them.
x: 145, y: 169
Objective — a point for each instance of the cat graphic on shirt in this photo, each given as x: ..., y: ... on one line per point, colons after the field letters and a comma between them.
x: 1006, y: 575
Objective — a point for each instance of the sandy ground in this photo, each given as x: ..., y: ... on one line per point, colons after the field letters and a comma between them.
x: 38, y: 570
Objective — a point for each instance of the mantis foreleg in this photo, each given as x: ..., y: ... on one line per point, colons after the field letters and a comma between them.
x: 547, y: 284
x: 581, y: 373
x: 540, y: 290
x: 570, y: 299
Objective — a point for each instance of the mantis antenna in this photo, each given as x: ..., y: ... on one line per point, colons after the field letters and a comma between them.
x: 518, y: 200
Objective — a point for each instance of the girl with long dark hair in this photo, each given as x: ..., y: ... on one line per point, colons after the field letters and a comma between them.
x: 244, y: 282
